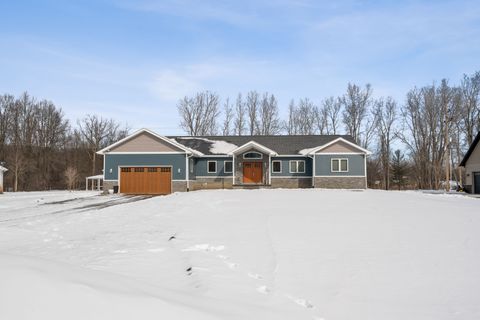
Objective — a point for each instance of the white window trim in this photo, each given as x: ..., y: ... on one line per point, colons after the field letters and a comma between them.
x: 339, y: 165
x: 208, y: 166
x: 280, y: 166
x: 296, y: 166
x: 224, y: 166
x: 261, y: 155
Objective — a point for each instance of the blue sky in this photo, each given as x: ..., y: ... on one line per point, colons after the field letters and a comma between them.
x: 132, y: 60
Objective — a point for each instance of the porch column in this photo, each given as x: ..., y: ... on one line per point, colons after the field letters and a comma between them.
x: 269, y: 169
x: 234, y: 171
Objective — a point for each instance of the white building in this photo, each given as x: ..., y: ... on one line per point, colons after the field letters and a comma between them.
x: 2, y: 170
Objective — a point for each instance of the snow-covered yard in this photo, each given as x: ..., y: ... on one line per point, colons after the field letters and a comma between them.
x: 237, y: 254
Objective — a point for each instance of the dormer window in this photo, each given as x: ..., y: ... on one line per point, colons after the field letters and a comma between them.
x: 252, y: 155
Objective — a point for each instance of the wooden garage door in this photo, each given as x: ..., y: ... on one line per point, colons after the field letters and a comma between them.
x: 146, y: 180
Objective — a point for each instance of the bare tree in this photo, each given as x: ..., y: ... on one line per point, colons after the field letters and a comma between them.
x: 331, y: 108
x: 228, y: 117
x: 321, y: 120
x: 199, y: 114
x: 385, y: 115
x: 71, y: 177
x: 470, y: 89
x: 99, y: 132
x: 305, y: 117
x: 240, y: 118
x: 6, y: 103
x: 268, y: 120
x: 355, y: 106
x: 253, y: 106
x: 429, y: 115
x: 290, y: 124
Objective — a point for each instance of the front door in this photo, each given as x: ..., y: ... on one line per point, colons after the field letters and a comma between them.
x: 252, y: 172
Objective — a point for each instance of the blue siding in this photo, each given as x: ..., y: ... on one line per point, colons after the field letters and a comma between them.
x: 201, y: 167
x: 356, y: 165
x: 113, y: 161
x: 286, y: 167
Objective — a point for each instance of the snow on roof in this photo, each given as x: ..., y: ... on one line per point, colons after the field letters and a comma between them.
x: 216, y: 146
x: 3, y: 169
x: 185, y: 147
x: 99, y: 176
x: 304, y: 152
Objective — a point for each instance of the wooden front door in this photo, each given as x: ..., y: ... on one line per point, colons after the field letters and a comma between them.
x: 146, y: 180
x: 252, y: 172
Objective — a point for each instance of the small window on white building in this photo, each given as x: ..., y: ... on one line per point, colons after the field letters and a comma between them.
x: 297, y: 166
x: 276, y: 166
x: 339, y: 165
x: 211, y: 166
x: 227, y: 167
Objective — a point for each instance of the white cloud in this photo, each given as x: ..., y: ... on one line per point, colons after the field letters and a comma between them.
x: 170, y: 85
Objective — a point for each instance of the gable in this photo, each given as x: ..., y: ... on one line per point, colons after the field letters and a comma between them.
x: 471, y: 150
x: 339, y: 147
x: 474, y: 157
x: 145, y: 142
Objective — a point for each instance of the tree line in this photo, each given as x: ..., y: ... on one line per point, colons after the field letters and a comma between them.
x: 417, y: 142
x: 43, y: 150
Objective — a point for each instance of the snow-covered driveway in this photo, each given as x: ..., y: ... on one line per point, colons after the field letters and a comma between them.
x: 237, y: 254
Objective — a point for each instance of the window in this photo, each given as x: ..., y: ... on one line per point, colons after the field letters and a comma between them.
x: 227, y: 166
x: 339, y: 165
x: 191, y: 165
x: 165, y: 169
x: 211, y: 166
x: 276, y: 166
x: 253, y: 155
x: 138, y: 169
x: 297, y: 166
x: 152, y: 169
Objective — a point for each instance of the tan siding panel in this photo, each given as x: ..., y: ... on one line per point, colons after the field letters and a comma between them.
x: 145, y: 142
x: 339, y: 147
x: 472, y: 165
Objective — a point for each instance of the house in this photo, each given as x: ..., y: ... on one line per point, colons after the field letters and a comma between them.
x: 2, y: 170
x: 471, y: 163
x: 148, y: 163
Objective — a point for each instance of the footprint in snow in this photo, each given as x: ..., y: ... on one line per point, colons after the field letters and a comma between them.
x: 255, y: 276
x: 302, y: 302
x: 231, y: 265
x: 263, y: 289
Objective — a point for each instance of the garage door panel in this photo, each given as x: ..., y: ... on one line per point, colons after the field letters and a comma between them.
x: 146, y: 180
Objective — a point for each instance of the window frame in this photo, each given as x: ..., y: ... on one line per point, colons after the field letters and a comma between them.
x: 208, y: 166
x: 224, y: 166
x: 280, y: 161
x: 339, y: 165
x: 254, y: 152
x: 296, y: 166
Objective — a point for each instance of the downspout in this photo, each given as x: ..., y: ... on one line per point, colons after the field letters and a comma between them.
x: 313, y: 170
x: 365, y: 166
x: 187, y: 175
x: 233, y: 169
